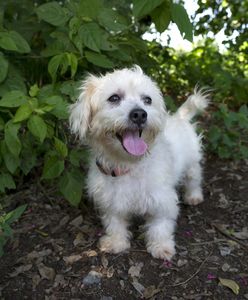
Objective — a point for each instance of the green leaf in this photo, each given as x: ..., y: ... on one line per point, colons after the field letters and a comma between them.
x: 28, y: 159
x: 180, y: 17
x: 53, y: 167
x: 54, y: 64
x: 15, y: 214
x: 71, y: 186
x: 13, y: 99
x: 60, y: 147
x: 37, y: 127
x: 11, y: 161
x: 161, y: 16
x: 6, y: 182
x: 6, y: 41
x: 91, y: 35
x: 90, y: 8
x: 142, y: 8
x: 34, y: 90
x: 99, y: 59
x: 53, y: 13
x: 2, y: 124
x: 111, y: 20
x: 4, y: 67
x: 231, y: 284
x: 21, y: 44
x: 22, y: 113
x: 73, y: 62
x: 11, y: 138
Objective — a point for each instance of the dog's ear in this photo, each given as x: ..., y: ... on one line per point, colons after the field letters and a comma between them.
x: 81, y: 112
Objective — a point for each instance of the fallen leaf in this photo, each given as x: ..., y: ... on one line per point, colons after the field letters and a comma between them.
x: 36, y: 279
x: 77, y: 221
x: 79, y: 240
x: 110, y: 272
x: 150, y: 291
x: 21, y: 269
x: 104, y: 261
x: 72, y: 258
x: 46, y: 272
x: 134, y: 271
x: 138, y: 287
x: 90, y: 253
x: 231, y: 284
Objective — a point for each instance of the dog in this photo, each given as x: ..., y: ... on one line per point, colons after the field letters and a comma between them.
x: 139, y: 153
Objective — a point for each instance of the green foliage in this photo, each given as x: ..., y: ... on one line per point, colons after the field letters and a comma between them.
x: 179, y: 73
x: 228, y: 135
x: 6, y: 219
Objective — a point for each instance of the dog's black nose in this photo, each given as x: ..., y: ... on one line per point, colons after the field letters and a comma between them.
x: 138, y: 116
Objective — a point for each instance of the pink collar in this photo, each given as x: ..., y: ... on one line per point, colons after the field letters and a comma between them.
x: 111, y: 172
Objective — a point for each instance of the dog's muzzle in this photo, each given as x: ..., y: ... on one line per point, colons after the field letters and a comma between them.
x: 138, y: 116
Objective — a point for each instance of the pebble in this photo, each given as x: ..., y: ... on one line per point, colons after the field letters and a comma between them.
x: 93, y: 277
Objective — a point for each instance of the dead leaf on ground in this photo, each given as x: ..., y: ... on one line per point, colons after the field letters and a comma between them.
x: 231, y: 284
x: 79, y: 240
x: 36, y: 279
x: 77, y: 221
x: 134, y: 271
x: 72, y: 258
x: 46, y: 272
x: 21, y: 269
x: 104, y: 261
x: 138, y: 287
x: 110, y: 272
x: 150, y: 291
x: 90, y: 253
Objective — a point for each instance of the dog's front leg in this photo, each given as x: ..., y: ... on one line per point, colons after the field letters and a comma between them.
x: 160, y: 238
x: 161, y: 224
x: 116, y: 238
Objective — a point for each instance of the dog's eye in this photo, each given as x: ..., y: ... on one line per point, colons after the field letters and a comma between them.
x: 114, y: 98
x: 147, y: 100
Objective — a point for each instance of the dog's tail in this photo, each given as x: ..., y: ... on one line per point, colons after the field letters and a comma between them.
x: 197, y: 102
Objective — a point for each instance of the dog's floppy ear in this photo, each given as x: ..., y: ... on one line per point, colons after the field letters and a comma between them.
x: 81, y: 111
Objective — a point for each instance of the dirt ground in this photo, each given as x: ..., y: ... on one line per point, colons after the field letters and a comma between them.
x: 54, y: 254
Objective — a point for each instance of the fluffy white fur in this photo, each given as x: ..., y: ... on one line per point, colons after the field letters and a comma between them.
x: 148, y: 187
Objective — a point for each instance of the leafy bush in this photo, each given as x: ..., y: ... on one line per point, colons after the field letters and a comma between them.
x: 180, y: 71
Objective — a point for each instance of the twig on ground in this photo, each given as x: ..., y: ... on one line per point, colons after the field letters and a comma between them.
x: 209, y: 242
x: 193, y: 275
x: 227, y: 234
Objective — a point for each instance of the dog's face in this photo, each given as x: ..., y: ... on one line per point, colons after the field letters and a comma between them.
x: 122, y: 112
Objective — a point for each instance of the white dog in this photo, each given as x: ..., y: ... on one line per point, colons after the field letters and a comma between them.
x: 139, y: 154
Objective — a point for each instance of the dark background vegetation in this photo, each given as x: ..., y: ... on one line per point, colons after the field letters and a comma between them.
x: 46, y: 49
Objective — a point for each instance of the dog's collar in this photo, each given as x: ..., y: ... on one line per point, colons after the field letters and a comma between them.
x: 111, y: 172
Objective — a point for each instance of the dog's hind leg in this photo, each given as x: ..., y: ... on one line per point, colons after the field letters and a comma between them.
x: 193, y: 190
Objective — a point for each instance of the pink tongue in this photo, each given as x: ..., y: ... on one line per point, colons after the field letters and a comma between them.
x: 133, y: 143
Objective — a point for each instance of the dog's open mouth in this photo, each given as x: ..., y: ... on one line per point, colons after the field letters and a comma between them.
x: 132, y: 142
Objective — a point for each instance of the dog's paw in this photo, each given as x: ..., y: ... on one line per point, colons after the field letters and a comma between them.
x: 163, y: 250
x: 113, y: 244
x: 194, y: 198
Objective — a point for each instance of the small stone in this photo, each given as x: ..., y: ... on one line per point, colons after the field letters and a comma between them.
x: 93, y: 277
x: 225, y: 267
